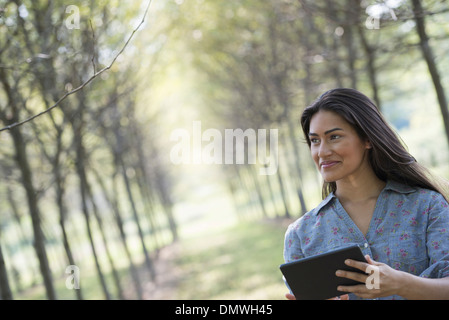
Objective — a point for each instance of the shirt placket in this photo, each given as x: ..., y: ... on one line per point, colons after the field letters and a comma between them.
x: 360, y: 239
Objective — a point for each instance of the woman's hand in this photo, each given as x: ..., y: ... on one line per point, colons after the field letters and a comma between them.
x: 384, y: 280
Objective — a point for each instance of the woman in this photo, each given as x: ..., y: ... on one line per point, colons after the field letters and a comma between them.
x: 375, y: 195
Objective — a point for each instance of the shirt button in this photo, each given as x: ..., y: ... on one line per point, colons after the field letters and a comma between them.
x: 366, y: 245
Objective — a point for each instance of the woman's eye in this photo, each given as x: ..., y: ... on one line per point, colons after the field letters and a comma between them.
x: 335, y: 136
x: 314, y: 140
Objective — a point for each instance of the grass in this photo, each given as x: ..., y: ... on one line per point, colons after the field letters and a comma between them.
x: 239, y: 262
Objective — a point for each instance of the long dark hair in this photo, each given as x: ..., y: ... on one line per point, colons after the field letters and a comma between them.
x: 388, y: 156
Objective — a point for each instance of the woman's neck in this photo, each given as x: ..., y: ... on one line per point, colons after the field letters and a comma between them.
x: 359, y: 190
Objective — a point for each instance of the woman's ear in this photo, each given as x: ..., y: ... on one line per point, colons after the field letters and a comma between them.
x: 368, y: 145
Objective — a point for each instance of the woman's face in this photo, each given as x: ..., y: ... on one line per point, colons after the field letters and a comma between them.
x: 336, y: 148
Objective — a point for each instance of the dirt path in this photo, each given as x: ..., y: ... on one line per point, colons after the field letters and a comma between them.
x: 167, y: 277
x: 170, y: 275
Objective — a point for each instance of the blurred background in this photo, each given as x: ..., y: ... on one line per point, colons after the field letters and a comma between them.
x: 91, y: 199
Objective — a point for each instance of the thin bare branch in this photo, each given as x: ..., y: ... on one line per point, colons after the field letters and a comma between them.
x: 96, y: 74
x: 93, y: 47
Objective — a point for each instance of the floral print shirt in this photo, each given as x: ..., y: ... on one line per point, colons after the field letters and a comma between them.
x: 409, y: 231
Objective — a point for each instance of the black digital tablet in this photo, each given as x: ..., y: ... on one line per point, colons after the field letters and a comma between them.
x: 313, y: 278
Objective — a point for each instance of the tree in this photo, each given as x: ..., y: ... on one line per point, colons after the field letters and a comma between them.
x: 9, y: 114
x: 428, y: 55
x: 5, y: 290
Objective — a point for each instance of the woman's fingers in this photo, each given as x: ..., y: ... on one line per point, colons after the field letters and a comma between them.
x: 359, y: 277
x: 289, y: 296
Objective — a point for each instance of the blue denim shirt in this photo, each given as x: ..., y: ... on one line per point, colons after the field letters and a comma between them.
x: 409, y: 231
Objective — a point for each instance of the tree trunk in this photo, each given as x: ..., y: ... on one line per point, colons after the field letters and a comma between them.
x: 372, y: 73
x: 233, y: 192
x: 148, y: 261
x: 21, y: 236
x: 85, y: 210
x: 253, y: 173
x: 294, y: 147
x: 244, y: 188
x: 253, y: 203
x: 134, y: 273
x: 113, y: 202
x: 149, y: 208
x: 101, y: 228
x: 282, y: 190
x: 351, y: 54
x: 282, y: 96
x: 335, y: 62
x: 27, y: 182
x: 369, y: 52
x: 273, y: 198
x: 39, y: 239
x: 55, y: 161
x: 143, y: 179
x: 77, y: 127
x: 62, y: 218
x: 167, y: 204
x: 5, y: 290
x: 430, y: 60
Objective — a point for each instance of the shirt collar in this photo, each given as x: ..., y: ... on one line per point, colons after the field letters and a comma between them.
x: 391, y: 185
x: 323, y: 203
x: 399, y: 187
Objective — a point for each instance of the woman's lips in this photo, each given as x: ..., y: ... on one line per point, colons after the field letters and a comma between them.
x: 328, y: 164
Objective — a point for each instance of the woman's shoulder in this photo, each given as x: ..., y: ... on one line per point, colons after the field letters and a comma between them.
x: 402, y: 188
x: 312, y: 214
x: 416, y: 195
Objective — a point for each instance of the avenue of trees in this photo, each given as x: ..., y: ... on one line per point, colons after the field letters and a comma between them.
x: 83, y: 178
x: 88, y: 183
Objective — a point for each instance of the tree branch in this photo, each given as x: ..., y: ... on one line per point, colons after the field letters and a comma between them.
x: 93, y: 47
x: 96, y: 74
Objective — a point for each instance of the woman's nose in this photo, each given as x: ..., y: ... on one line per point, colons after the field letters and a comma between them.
x: 324, y: 150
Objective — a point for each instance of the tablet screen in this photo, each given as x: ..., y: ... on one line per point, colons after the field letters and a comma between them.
x: 313, y: 278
